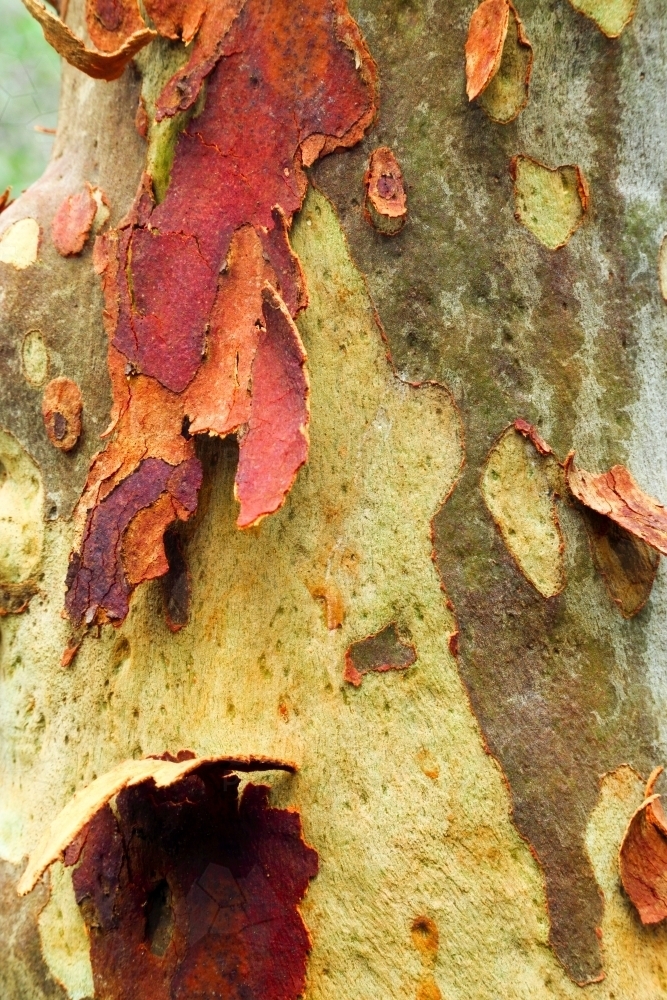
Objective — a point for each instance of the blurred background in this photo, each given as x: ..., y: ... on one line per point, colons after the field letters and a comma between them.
x: 29, y: 87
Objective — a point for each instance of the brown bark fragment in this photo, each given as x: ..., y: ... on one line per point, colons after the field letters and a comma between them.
x: 176, y: 584
x: 616, y: 495
x: 385, y: 650
x: 484, y: 45
x: 61, y: 408
x: 99, y: 65
x: 4, y: 199
x: 627, y: 565
x: 385, y: 205
x: 73, y: 221
x: 643, y: 856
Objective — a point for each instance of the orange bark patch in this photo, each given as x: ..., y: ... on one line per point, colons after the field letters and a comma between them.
x: 111, y: 22
x: 378, y: 653
x: 616, y: 495
x: 643, y: 857
x: 484, y: 45
x: 61, y: 408
x: 73, y: 221
x: 4, y: 199
x: 179, y: 18
x: 386, y: 204
x: 100, y: 65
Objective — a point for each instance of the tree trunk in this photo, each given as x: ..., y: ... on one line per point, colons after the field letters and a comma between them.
x: 462, y: 658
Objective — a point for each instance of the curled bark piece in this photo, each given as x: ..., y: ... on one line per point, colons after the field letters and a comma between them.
x: 385, y: 204
x: 158, y: 772
x: 73, y: 221
x: 643, y: 856
x: 627, y: 565
x: 111, y: 22
x: 506, y: 93
x: 611, y: 16
x: 484, y: 45
x: 616, y: 495
x: 378, y: 653
x: 662, y: 268
x: 531, y: 432
x: 549, y: 201
x: 61, y: 408
x: 99, y: 65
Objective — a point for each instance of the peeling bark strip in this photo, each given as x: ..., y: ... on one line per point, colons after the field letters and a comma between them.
x: 101, y: 66
x: 378, y: 653
x: 643, y: 856
x: 201, y: 290
x: 186, y: 890
x: 484, y: 45
x: 616, y: 495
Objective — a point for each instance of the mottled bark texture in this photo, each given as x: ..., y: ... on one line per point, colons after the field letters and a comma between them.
x: 468, y: 800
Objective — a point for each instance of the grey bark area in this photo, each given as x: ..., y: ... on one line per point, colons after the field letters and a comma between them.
x: 559, y: 691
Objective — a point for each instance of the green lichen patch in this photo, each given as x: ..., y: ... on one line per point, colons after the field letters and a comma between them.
x: 549, y: 201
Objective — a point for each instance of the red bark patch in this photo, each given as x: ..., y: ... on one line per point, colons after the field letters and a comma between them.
x: 533, y: 435
x: 643, y: 857
x: 616, y: 495
x: 386, y: 204
x: 202, y: 289
x: 377, y: 653
x: 484, y: 45
x: 190, y: 892
x: 61, y: 408
x: 98, y: 588
x: 73, y: 221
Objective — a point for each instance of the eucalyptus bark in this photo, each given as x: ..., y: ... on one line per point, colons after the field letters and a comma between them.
x: 467, y: 805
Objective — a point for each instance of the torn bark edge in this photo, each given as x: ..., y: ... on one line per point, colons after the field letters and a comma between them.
x: 524, y: 42
x: 4, y: 199
x: 99, y: 65
x: 15, y: 597
x: 531, y: 432
x: 354, y: 676
x: 80, y: 809
x: 582, y: 188
x: 589, y: 17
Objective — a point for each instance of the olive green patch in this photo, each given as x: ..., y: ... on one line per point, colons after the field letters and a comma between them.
x: 551, y: 202
x: 611, y: 16
x: 517, y: 491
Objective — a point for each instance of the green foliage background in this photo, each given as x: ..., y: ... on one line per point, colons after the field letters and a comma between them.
x: 29, y: 87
